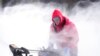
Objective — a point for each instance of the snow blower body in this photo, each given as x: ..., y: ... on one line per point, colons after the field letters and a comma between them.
x: 44, y: 52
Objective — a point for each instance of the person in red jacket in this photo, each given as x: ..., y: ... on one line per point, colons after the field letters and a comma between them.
x: 63, y: 32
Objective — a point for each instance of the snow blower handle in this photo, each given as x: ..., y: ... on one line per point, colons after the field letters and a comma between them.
x: 18, y: 51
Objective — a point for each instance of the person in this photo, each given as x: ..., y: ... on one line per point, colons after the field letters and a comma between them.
x: 63, y: 33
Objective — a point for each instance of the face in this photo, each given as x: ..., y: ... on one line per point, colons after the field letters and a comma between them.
x: 56, y: 20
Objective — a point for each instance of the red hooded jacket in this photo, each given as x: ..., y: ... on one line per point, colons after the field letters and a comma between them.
x: 65, y: 30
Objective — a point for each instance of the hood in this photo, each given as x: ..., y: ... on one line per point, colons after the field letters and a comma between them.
x: 57, y: 13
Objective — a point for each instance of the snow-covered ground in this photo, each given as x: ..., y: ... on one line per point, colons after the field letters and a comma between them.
x: 28, y: 25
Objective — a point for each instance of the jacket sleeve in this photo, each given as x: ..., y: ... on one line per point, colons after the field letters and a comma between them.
x: 74, y: 35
